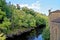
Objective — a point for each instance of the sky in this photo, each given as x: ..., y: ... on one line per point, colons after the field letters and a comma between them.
x: 41, y: 6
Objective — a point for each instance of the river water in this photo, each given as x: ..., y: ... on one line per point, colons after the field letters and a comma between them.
x: 35, y: 34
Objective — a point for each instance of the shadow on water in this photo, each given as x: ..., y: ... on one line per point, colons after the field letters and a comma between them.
x: 35, y: 34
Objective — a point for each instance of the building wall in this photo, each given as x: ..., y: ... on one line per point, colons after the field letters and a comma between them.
x: 54, y: 28
x: 58, y: 31
x: 54, y: 31
x: 54, y: 15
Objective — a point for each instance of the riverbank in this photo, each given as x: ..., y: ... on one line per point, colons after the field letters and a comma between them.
x: 19, y: 32
x: 28, y: 35
x: 24, y: 30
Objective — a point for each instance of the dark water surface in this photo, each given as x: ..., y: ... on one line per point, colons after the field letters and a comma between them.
x: 35, y: 34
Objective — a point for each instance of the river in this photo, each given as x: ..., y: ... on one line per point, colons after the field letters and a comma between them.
x: 35, y: 34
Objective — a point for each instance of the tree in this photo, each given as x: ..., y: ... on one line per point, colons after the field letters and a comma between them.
x: 4, y: 22
x: 12, y: 18
x: 18, y: 7
x: 46, y: 33
x: 28, y: 11
x: 2, y: 15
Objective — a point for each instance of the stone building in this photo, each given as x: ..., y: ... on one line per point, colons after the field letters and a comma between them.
x: 54, y: 22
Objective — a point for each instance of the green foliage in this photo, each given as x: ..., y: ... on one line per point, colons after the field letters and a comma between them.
x: 46, y: 34
x: 18, y: 7
x: 2, y: 36
x: 23, y: 19
x: 11, y: 18
x: 2, y: 14
x: 38, y: 17
x: 5, y: 22
x: 46, y: 31
x: 28, y: 11
x: 4, y: 7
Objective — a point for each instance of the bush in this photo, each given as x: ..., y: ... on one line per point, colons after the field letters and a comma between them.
x: 2, y: 36
x: 46, y: 34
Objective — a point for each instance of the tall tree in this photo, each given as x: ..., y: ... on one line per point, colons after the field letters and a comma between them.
x: 18, y: 7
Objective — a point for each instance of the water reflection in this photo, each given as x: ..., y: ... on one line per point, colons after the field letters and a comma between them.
x: 39, y: 38
x: 35, y: 34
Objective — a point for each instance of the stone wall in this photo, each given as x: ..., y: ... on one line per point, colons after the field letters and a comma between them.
x: 54, y: 28
x: 53, y: 16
